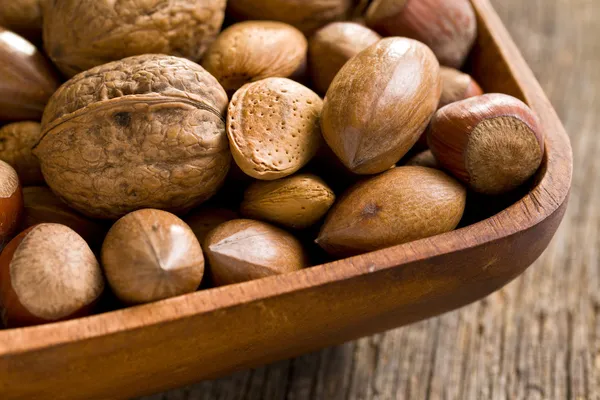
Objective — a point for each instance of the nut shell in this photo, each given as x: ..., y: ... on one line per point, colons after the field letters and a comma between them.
x: 23, y: 17
x: 205, y: 219
x: 398, y: 206
x: 306, y: 15
x: 16, y: 142
x: 150, y: 255
x: 379, y: 104
x: 493, y: 143
x: 81, y: 34
x: 332, y: 46
x: 273, y: 127
x: 11, y: 202
x: 296, y: 202
x: 27, y: 80
x: 144, y: 132
x: 423, y: 159
x: 449, y: 28
x: 42, y: 206
x: 254, y: 50
x: 243, y: 250
x: 48, y: 273
x: 457, y: 86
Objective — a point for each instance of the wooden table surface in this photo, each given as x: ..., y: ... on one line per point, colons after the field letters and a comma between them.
x: 538, y: 338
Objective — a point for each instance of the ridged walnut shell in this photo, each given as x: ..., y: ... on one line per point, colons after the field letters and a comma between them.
x: 144, y: 132
x: 242, y: 250
x: 296, y: 202
x: 306, y: 15
x: 398, y: 206
x: 81, y: 34
x: 16, y: 142
x: 273, y: 127
x: 332, y: 46
x: 379, y: 104
x: 23, y: 17
x: 449, y: 27
x: 27, y: 80
x: 254, y: 50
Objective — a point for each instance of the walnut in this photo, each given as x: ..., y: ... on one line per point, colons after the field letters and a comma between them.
x: 81, y: 34
x: 144, y: 132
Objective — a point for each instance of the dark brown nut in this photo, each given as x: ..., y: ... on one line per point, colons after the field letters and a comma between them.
x: 306, y: 15
x: 48, y: 273
x: 380, y: 103
x: 493, y: 143
x: 149, y: 255
x: 205, y: 219
x: 254, y: 50
x: 273, y: 127
x: 243, y: 250
x: 27, y: 80
x: 144, y: 132
x: 81, y: 34
x: 11, y: 202
x: 398, y: 206
x: 296, y: 202
x: 449, y: 27
x: 23, y: 17
x: 457, y: 86
x: 332, y: 46
x: 16, y: 141
x: 424, y: 159
x: 42, y: 206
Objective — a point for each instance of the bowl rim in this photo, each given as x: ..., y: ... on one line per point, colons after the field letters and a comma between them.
x: 545, y: 198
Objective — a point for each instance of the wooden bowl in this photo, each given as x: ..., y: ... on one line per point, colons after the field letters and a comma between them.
x: 209, y: 333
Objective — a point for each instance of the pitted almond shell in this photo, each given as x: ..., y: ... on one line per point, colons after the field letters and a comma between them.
x: 273, y: 127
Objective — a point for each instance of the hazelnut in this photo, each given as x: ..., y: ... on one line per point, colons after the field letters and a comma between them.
x: 48, y: 273
x: 332, y: 46
x: 243, y: 250
x: 11, y: 202
x: 423, y: 159
x: 205, y: 219
x: 306, y: 15
x: 149, y: 255
x: 42, y: 206
x: 27, y: 80
x: 254, y: 50
x: 81, y: 34
x: 448, y: 27
x: 493, y: 143
x: 299, y: 201
x: 144, y: 132
x: 379, y: 104
x: 457, y: 86
x: 398, y: 206
x: 273, y: 127
x: 16, y: 141
x: 23, y: 17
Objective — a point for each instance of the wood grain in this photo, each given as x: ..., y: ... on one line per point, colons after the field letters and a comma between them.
x: 539, y: 338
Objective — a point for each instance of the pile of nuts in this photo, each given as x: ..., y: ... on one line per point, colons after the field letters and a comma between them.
x: 146, y: 148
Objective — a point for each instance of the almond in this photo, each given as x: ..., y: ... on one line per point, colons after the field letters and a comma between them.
x: 297, y: 202
x: 273, y: 127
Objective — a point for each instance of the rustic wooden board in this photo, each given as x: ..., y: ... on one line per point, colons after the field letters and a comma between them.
x: 539, y: 338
